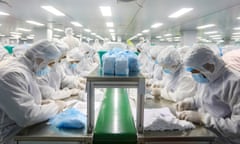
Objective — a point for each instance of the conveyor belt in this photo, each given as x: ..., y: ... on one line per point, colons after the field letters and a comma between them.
x: 115, y: 124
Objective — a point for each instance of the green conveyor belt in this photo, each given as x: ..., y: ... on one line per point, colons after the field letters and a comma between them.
x: 115, y: 124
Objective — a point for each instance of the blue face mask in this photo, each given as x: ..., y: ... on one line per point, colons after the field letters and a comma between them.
x: 73, y: 66
x: 199, y: 78
x: 167, y: 71
x: 43, y: 71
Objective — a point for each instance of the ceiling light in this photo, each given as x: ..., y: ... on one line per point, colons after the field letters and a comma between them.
x: 145, y: 31
x: 177, y: 37
x: 3, y: 13
x: 180, y: 12
x: 106, y: 10
x: 109, y: 24
x: 34, y: 23
x: 213, y: 36
x: 236, y: 28
x: 238, y: 18
x: 93, y: 33
x: 217, y: 38
x: 162, y: 40
x: 236, y: 33
x: 156, y: 25
x: 56, y: 35
x: 23, y: 29
x: 30, y: 37
x: 1, y: 35
x: 15, y: 33
x: 139, y: 34
x: 167, y: 35
x: 211, y: 32
x: 53, y: 10
x: 206, y: 26
x: 87, y: 30
x: 59, y: 30
x: 77, y: 24
x: 111, y: 30
x: 158, y: 36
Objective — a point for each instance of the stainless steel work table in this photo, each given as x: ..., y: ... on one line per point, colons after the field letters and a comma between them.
x: 44, y: 132
x: 98, y: 80
x: 199, y: 135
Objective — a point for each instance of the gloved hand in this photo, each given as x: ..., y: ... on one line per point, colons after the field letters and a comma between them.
x: 183, y: 105
x: 61, y: 105
x: 74, y: 91
x: 192, y: 116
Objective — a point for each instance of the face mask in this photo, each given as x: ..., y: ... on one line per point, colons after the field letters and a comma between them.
x: 199, y: 78
x: 43, y: 72
x: 73, y: 66
x: 167, y: 71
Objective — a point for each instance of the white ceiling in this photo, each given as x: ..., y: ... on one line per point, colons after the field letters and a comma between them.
x: 129, y: 18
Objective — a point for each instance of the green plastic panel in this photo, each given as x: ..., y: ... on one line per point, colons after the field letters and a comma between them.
x: 115, y: 123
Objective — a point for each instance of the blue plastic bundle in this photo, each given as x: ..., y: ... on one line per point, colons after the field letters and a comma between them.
x: 121, y: 65
x: 132, y: 62
x: 71, y: 118
x: 109, y: 63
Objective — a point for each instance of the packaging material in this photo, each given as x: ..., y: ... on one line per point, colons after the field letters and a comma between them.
x: 70, y: 118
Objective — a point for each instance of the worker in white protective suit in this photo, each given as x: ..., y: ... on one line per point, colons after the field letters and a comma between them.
x: 75, y: 65
x: 232, y: 59
x: 217, y: 98
x: 97, y: 46
x: 69, y: 39
x: 21, y: 103
x: 56, y: 84
x: 177, y: 84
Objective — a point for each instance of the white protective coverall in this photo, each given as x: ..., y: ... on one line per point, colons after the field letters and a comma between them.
x: 20, y: 97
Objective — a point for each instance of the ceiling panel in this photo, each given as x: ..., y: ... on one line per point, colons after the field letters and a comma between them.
x: 129, y: 18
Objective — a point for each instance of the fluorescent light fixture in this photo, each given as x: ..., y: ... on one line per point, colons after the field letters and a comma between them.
x: 93, y: 34
x: 87, y: 30
x: 206, y: 26
x: 59, y: 30
x: 211, y: 32
x: 1, y: 35
x: 220, y: 41
x: 236, y: 33
x: 158, y: 36
x: 53, y: 10
x: 180, y: 12
x: 110, y: 24
x: 213, y: 36
x: 106, y: 10
x: 4, y: 14
x: 34, y: 23
x: 156, y: 25
x: 77, y: 24
x: 139, y: 34
x: 15, y: 33
x: 238, y: 18
x: 30, y: 37
x: 145, y: 31
x: 0, y: 24
x: 112, y: 34
x: 111, y: 30
x: 167, y: 35
x: 236, y: 36
x: 23, y: 29
x: 217, y: 38
x: 236, y: 28
x: 177, y: 37
x: 56, y: 35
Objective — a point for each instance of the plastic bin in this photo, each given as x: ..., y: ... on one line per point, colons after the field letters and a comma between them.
x: 100, y: 54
